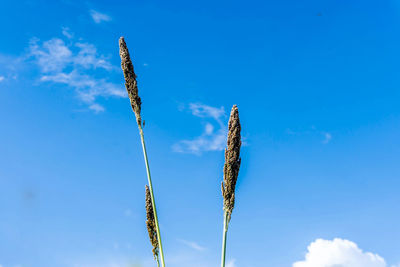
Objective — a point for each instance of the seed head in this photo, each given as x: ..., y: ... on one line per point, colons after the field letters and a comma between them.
x: 151, y: 224
x: 232, y: 161
x: 130, y: 79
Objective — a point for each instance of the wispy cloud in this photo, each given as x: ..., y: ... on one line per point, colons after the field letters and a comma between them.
x: 99, y: 17
x: 339, y: 252
x: 327, y: 137
x: 212, y: 139
x: 10, y: 66
x: 192, y: 245
x: 231, y: 263
x: 75, y: 64
x: 96, y: 108
x: 313, y: 131
x: 67, y: 32
x: 204, y: 111
x: 56, y: 55
x: 2, y: 78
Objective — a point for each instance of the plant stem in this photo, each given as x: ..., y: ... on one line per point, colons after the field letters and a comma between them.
x: 152, y: 196
x: 158, y: 262
x: 224, y: 234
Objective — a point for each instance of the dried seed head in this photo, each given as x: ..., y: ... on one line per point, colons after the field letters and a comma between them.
x: 130, y: 79
x: 151, y: 224
x: 232, y: 161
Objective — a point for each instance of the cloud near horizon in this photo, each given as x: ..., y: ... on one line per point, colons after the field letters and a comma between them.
x: 212, y: 139
x: 77, y: 65
x: 339, y: 253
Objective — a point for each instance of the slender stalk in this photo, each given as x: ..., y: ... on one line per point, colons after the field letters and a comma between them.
x: 231, y: 171
x: 158, y: 262
x: 224, y: 235
x: 152, y: 196
x: 132, y: 89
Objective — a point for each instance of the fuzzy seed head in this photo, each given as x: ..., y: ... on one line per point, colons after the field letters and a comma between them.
x: 151, y: 224
x: 232, y: 161
x: 130, y: 79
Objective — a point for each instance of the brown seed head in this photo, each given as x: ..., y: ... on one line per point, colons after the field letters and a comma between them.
x: 232, y: 161
x: 151, y: 224
x: 130, y: 79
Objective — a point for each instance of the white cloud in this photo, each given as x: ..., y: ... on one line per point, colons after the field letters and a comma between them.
x: 327, y: 137
x: 211, y: 139
x: 231, y: 263
x: 192, y: 244
x: 99, y: 17
x: 209, y: 129
x: 52, y: 55
x: 11, y: 66
x: 55, y: 55
x: 88, y: 57
x: 67, y: 33
x: 96, y: 108
x: 338, y: 253
x: 75, y: 65
x: 204, y: 111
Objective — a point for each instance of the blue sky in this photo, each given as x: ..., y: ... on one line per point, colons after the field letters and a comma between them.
x: 317, y: 86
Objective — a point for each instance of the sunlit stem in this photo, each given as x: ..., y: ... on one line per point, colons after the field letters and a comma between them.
x: 152, y: 196
x: 224, y: 234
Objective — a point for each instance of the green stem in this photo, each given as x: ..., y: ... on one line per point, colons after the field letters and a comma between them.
x: 224, y: 234
x: 158, y: 262
x: 152, y: 196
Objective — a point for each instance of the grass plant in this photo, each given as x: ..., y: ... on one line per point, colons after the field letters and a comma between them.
x: 231, y: 166
x: 231, y: 172
x: 132, y: 89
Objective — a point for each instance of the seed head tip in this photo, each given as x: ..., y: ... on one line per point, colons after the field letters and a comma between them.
x: 232, y: 161
x: 130, y: 80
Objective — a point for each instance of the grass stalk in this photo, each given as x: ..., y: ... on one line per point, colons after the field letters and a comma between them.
x: 231, y: 172
x: 152, y: 197
x: 132, y: 89
x: 224, y: 235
